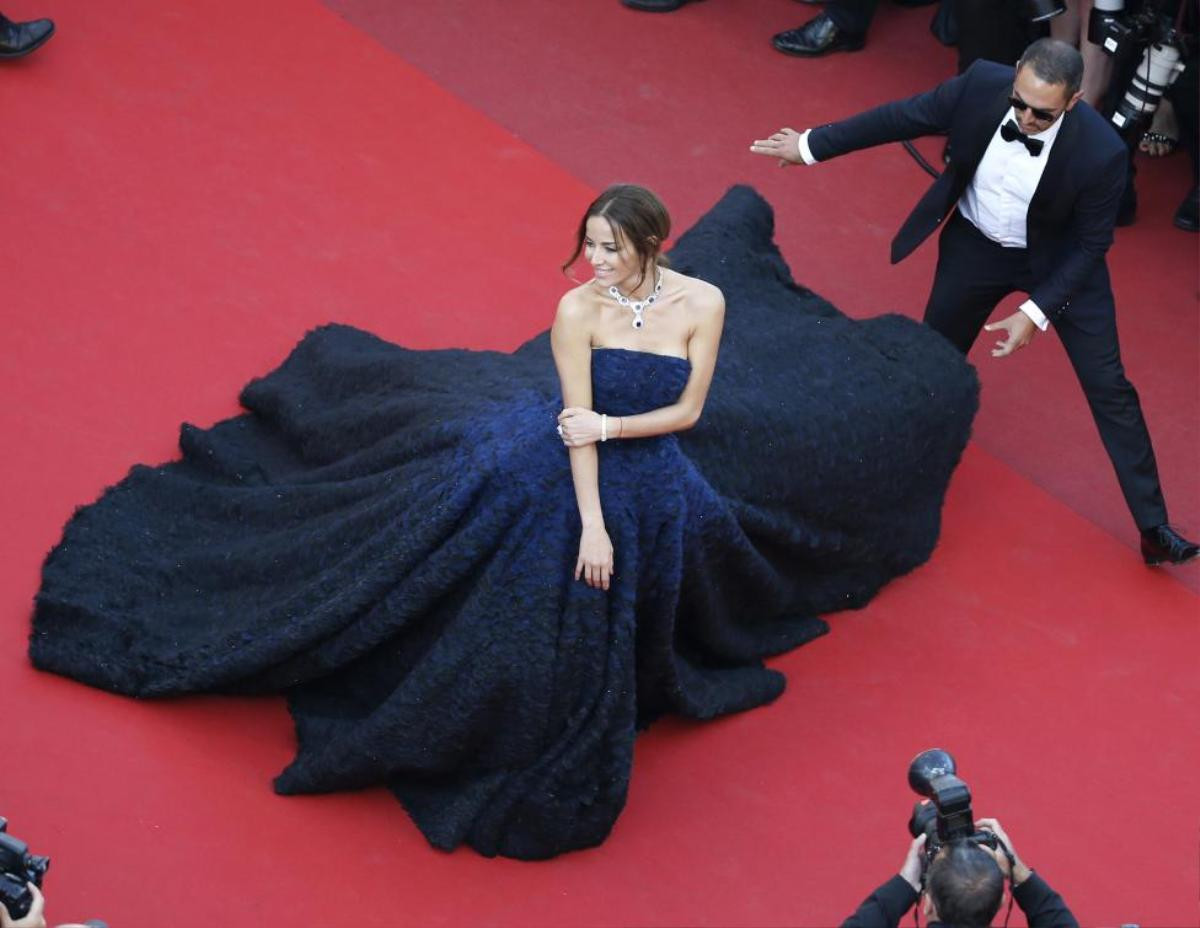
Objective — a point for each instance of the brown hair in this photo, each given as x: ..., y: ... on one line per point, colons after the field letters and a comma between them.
x: 637, y: 216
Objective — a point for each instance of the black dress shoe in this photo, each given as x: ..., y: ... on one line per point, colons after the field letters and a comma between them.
x: 1163, y: 545
x: 655, y: 6
x: 1187, y: 217
x: 17, y: 39
x: 818, y: 36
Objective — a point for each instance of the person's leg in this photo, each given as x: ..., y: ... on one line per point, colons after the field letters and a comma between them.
x: 1072, y: 27
x: 1184, y: 93
x: 990, y: 29
x: 1097, y: 63
x: 1065, y: 26
x: 852, y: 16
x: 1092, y: 346
x: 972, y: 276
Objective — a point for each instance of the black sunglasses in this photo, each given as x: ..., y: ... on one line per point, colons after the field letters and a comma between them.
x: 1021, y: 106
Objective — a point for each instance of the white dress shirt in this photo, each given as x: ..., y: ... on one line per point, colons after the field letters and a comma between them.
x: 997, y: 200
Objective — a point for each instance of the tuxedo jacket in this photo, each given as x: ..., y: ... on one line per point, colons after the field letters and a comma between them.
x: 1069, y: 227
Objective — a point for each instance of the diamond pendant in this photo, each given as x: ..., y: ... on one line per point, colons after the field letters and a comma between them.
x: 638, y: 306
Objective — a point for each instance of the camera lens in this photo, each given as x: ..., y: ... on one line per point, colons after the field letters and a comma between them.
x: 1159, y: 67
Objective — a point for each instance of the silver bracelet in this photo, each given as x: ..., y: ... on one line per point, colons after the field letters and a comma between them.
x: 603, y: 427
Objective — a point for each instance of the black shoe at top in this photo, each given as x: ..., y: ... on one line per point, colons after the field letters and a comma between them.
x: 819, y: 36
x: 1163, y: 545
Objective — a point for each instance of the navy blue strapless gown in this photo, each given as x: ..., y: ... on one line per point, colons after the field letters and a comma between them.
x: 395, y: 553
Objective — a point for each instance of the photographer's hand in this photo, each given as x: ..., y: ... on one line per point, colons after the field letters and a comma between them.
x: 914, y: 863
x: 1020, y: 873
x: 34, y: 918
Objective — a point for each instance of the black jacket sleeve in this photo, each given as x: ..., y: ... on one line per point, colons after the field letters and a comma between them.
x: 885, y: 907
x: 1092, y: 234
x: 1043, y: 907
x: 925, y: 114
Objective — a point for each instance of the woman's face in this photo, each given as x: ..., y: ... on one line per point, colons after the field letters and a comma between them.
x: 613, y: 261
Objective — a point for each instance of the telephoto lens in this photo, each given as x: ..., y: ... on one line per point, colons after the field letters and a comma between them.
x: 1159, y: 67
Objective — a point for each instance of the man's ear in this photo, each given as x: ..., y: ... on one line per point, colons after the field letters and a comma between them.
x: 927, y: 908
x: 1075, y: 99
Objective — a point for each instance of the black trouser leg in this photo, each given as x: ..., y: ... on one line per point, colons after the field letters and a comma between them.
x: 852, y: 16
x: 1185, y: 96
x: 992, y: 29
x: 973, y: 275
x: 1096, y: 356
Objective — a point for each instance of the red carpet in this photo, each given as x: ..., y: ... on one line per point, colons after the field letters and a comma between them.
x: 194, y: 185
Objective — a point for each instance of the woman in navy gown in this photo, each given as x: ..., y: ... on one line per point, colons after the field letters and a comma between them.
x: 477, y: 602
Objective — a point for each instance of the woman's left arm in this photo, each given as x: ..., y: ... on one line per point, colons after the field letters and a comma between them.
x: 582, y: 426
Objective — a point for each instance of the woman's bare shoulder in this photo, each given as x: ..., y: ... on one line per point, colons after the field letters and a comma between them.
x: 702, y: 297
x: 577, y: 304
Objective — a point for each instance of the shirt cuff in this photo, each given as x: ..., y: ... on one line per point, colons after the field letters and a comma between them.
x: 805, y: 152
x: 1030, y: 309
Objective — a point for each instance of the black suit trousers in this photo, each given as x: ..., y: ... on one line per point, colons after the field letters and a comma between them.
x: 852, y: 16
x: 996, y: 30
x: 974, y: 274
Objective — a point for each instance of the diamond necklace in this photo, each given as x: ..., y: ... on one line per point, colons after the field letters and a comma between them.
x: 638, y: 306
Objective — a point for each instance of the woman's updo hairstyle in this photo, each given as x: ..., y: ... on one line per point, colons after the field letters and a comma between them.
x: 637, y: 217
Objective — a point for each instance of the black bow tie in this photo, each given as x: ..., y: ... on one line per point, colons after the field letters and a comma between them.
x: 1010, y: 133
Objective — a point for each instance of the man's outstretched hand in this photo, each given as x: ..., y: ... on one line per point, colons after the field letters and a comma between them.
x: 784, y: 145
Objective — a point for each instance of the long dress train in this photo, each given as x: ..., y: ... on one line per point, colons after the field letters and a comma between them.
x: 394, y: 552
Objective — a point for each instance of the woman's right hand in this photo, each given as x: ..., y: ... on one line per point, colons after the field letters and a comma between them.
x: 595, y: 563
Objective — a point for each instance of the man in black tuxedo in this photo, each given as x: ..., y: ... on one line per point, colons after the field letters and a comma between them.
x: 1032, y: 189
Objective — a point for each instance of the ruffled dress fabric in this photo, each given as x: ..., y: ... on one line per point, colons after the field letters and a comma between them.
x: 394, y: 551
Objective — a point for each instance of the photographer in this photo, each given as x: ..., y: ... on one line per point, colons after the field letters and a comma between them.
x: 964, y: 887
x: 36, y: 916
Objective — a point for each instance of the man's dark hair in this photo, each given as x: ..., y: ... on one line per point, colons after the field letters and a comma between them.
x: 966, y: 885
x: 1054, y: 62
